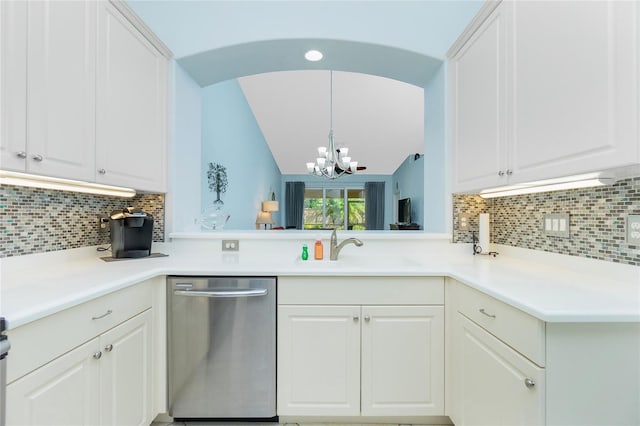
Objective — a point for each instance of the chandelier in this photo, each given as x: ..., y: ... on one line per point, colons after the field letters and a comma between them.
x: 332, y: 162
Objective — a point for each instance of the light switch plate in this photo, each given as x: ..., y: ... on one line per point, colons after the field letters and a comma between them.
x: 463, y: 223
x: 556, y: 225
x: 633, y: 229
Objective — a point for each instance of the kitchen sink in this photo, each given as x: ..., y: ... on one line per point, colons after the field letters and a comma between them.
x: 359, y: 261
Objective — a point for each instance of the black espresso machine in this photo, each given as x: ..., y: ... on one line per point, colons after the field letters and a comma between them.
x: 131, y: 233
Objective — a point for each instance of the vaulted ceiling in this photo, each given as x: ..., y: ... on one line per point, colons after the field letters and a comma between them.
x: 380, y: 120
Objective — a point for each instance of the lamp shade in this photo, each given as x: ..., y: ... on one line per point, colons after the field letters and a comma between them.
x: 270, y: 206
x: 264, y: 218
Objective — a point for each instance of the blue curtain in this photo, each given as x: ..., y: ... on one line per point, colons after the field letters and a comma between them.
x: 294, y: 199
x: 374, y: 205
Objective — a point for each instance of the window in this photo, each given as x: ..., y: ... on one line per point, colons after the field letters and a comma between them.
x: 340, y: 208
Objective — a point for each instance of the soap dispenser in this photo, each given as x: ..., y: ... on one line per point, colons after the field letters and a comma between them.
x: 318, y: 249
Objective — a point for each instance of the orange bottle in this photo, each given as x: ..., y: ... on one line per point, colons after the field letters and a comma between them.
x: 318, y: 250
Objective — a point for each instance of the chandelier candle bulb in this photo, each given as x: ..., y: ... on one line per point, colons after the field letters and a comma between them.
x: 483, y: 234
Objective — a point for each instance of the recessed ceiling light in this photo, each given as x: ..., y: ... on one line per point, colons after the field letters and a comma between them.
x: 313, y: 55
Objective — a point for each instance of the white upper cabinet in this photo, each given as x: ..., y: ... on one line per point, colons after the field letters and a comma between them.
x: 543, y: 90
x: 478, y: 89
x: 574, y: 97
x: 82, y: 93
x: 13, y: 85
x: 131, y: 105
x: 61, y: 89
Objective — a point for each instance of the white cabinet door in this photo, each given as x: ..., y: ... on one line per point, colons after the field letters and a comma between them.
x: 63, y: 392
x: 575, y: 72
x: 131, y: 105
x: 13, y: 85
x: 319, y: 360
x: 402, y: 360
x: 125, y: 373
x: 61, y: 89
x: 490, y: 381
x: 478, y: 89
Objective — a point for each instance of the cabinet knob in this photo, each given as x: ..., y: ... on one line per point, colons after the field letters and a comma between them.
x: 356, y: 318
x: 97, y: 355
x: 37, y: 157
x: 509, y: 172
x: 102, y: 171
x: 529, y: 383
x: 501, y: 173
x: 21, y: 154
x: 367, y: 318
x: 108, y: 348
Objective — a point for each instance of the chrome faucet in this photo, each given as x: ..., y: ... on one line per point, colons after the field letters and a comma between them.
x: 335, y: 247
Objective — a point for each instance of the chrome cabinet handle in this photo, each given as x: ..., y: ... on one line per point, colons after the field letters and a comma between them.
x: 102, y: 171
x: 21, y: 154
x: 367, y: 318
x: 37, y: 157
x: 529, y: 383
x: 109, y: 312
x: 108, y: 348
x: 500, y: 173
x: 356, y: 318
x: 97, y: 355
x: 482, y: 311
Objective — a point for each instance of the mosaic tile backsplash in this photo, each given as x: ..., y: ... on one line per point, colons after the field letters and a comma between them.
x: 40, y: 220
x: 597, y: 220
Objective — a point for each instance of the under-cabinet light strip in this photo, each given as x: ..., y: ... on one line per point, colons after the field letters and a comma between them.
x: 45, y: 182
x: 575, y: 182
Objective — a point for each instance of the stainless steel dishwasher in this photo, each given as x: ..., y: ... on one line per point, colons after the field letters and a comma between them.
x: 222, y: 347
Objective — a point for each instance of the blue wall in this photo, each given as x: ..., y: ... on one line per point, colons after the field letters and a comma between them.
x: 231, y: 137
x: 183, y: 197
x: 437, y: 193
x: 408, y: 182
x: 427, y: 28
x: 356, y: 180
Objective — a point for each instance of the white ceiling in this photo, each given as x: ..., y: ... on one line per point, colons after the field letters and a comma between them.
x: 380, y: 120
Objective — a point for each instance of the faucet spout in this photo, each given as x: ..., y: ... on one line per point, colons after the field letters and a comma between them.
x: 335, y: 247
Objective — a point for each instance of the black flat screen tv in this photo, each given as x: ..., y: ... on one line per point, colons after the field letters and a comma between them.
x: 404, y: 210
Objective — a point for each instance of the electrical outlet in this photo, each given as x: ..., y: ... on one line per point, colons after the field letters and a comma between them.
x: 556, y: 225
x: 463, y: 223
x: 633, y: 229
x: 230, y: 245
x: 103, y: 223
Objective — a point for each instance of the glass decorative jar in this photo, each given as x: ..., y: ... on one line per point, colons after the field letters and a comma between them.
x: 214, y: 217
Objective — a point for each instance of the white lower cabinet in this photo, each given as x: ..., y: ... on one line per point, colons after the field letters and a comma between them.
x: 63, y: 392
x: 319, y: 360
x: 402, y: 360
x: 497, y: 385
x: 356, y: 359
x: 105, y: 381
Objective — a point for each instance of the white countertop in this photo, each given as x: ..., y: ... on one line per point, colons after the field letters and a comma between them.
x: 551, y: 287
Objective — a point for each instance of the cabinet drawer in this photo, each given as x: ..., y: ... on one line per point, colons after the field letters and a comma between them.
x: 39, y: 342
x: 521, y: 331
x: 336, y: 290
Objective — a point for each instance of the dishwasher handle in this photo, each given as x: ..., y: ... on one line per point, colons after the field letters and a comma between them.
x: 222, y: 293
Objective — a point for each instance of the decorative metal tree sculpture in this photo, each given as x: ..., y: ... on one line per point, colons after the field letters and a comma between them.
x: 217, y: 176
x: 214, y: 218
